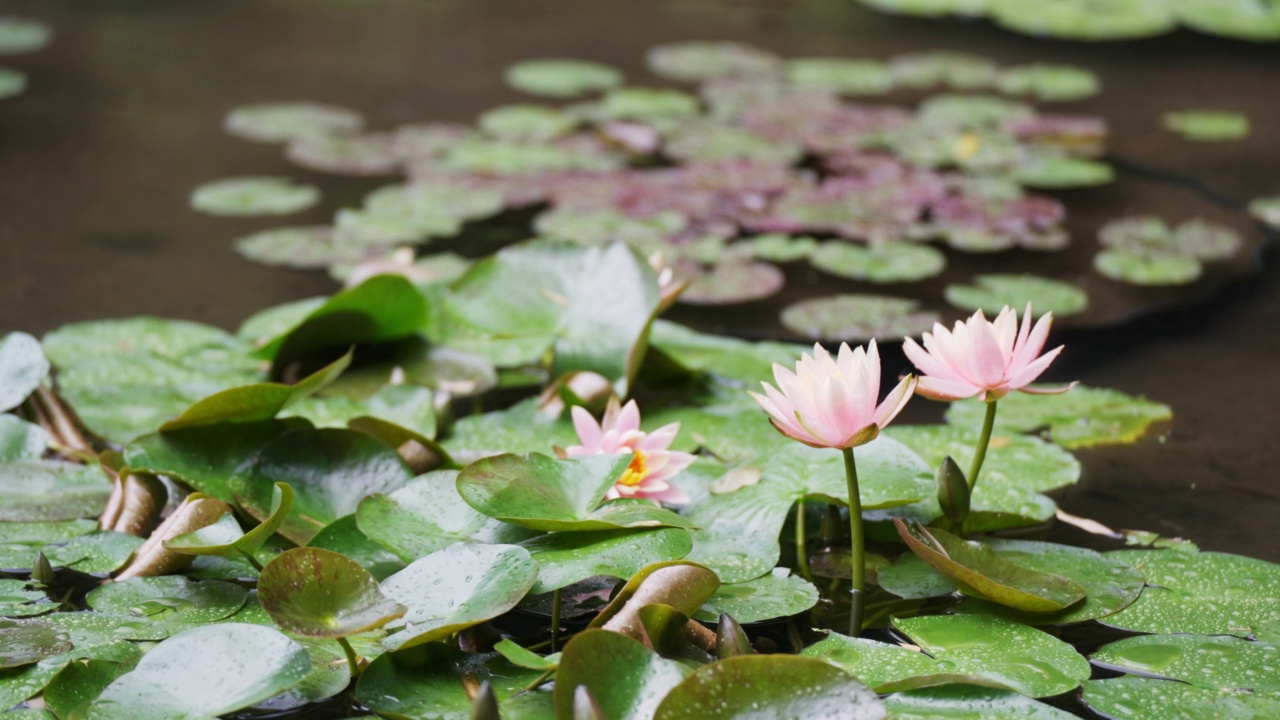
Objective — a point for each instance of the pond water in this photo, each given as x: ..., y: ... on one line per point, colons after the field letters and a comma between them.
x: 123, y: 117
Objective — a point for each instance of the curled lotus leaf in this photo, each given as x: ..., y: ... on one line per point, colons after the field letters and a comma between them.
x: 280, y: 122
x: 253, y: 196
x: 562, y: 78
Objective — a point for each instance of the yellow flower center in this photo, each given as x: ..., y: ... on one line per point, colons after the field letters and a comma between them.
x: 636, y: 472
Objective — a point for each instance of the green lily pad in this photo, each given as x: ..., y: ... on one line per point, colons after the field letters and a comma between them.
x: 330, y: 470
x: 1207, y: 125
x: 732, y: 282
x: 1085, y: 20
x: 304, y: 247
x: 556, y: 78
x: 879, y: 263
x: 343, y: 154
x: 737, y: 551
x: 253, y: 197
x: 702, y: 60
x: 1206, y: 661
x: 713, y: 142
x: 543, y: 493
x: 1027, y: 660
x: 1266, y: 209
x: 1057, y: 172
x: 601, y: 227
x: 426, y: 516
x: 21, y: 440
x: 1021, y: 461
x: 205, y: 457
x: 1147, y: 268
x: 460, y: 586
x: 956, y: 110
x: 770, y: 687
x: 171, y: 599
x: 280, y: 122
x: 596, y: 659
x: 842, y: 75
x: 1131, y: 698
x: 933, y: 68
x: 966, y: 702
x: 1208, y: 593
x: 329, y: 676
x: 17, y: 601
x: 18, y: 684
x: 991, y: 293
x: 638, y: 103
x: 51, y: 490
x: 19, y: 35
x: 526, y: 122
x: 874, y: 663
x: 96, y: 553
x: 205, y: 672
x: 22, y: 368
x: 1083, y: 417
x: 434, y: 200
x: 856, y: 318
x: 728, y: 357
x: 428, y: 681
x: 776, y: 595
x: 78, y: 684
x: 566, y: 558
x: 776, y: 247
x: 260, y: 401
x: 343, y: 536
x: 1049, y: 82
x: 23, y: 642
x: 507, y: 158
x: 321, y: 594
x: 521, y: 428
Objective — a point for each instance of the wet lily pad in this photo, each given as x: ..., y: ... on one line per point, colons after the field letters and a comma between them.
x: 856, y: 318
x: 782, y: 687
x: 734, y: 549
x: 1208, y: 593
x: 729, y: 283
x: 171, y: 599
x: 702, y: 60
x: 966, y: 702
x: 557, y: 78
x: 1012, y: 460
x: 16, y: 600
x: 879, y: 262
x: 253, y: 196
x: 21, y: 440
x: 329, y: 676
x: 776, y: 595
x: 526, y: 122
x: 1027, y: 660
x: 50, y: 490
x: 1049, y: 82
x: 322, y: 594
x: 359, y: 155
x: 19, y: 35
x: 23, y: 642
x: 460, y: 586
x: 1207, y: 125
x: 841, y: 75
x: 566, y: 558
x: 257, y: 402
x: 78, y: 684
x: 96, y: 553
x: 205, y: 457
x: 991, y: 293
x: 1083, y: 417
x: 1207, y: 661
x: 343, y: 536
x: 874, y: 663
x: 22, y: 368
x: 280, y: 122
x: 428, y: 681
x: 1130, y: 698
x: 594, y: 659
x: 205, y: 672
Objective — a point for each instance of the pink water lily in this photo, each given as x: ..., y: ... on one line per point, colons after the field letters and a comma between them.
x: 831, y: 402
x: 652, y: 464
x: 983, y: 358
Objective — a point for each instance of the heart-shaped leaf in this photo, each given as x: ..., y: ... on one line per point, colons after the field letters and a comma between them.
x: 597, y: 659
x: 460, y: 586
x: 205, y: 672
x: 261, y: 401
x: 770, y: 687
x: 319, y: 593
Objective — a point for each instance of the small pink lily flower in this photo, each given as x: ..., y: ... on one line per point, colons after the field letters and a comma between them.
x: 831, y: 402
x: 983, y: 358
x: 652, y: 464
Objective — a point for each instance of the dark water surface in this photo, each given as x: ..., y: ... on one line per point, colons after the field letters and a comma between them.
x: 123, y: 118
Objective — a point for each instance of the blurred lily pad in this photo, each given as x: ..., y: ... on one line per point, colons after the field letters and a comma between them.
x: 49, y: 490
x: 19, y: 35
x: 1048, y: 82
x: 1057, y: 171
x: 1207, y: 125
x: 253, y: 196
x: 22, y: 368
x: 729, y: 283
x: 857, y: 318
x: 314, y: 246
x: 12, y: 82
x: 879, y: 262
x: 359, y: 155
x: 702, y: 60
x: 929, y: 69
x: 1266, y: 209
x: 1085, y: 20
x: 991, y: 293
x: 557, y: 78
x: 526, y: 122
x: 1083, y: 417
x: 280, y: 122
x: 841, y: 75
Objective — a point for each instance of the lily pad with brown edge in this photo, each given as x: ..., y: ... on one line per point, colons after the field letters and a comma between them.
x: 428, y: 515
x: 281, y: 122
x: 565, y: 558
x: 1021, y: 658
x: 776, y: 595
x: 24, y: 642
x: 330, y: 470
x: 770, y: 687
x: 253, y: 196
x: 322, y: 594
x: 596, y: 659
x: 680, y: 584
x: 526, y: 122
x: 1147, y: 268
x: 1207, y: 125
x: 702, y: 60
x: 1083, y: 417
x: 432, y: 680
x: 463, y: 585
x: 1135, y: 697
x: 992, y: 293
x: 205, y: 672
x: 51, y: 490
x: 19, y: 35
x: 1048, y: 83
x: 889, y: 668
x: 368, y: 154
x: 1059, y: 172
x: 978, y: 571
x: 845, y: 76
x: 934, y: 68
x: 544, y: 493
x: 856, y: 318
x: 730, y: 283
x: 260, y: 401
x: 22, y: 368
x: 562, y: 78
x: 1208, y: 661
x: 966, y: 702
x: 1208, y: 593
x: 879, y: 262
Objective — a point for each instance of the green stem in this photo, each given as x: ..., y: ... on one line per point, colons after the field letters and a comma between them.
x: 802, y: 548
x: 252, y: 560
x: 555, y: 619
x: 539, y: 681
x: 353, y: 660
x: 980, y: 452
x: 857, y: 559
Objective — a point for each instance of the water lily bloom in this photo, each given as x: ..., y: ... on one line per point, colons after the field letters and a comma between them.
x: 831, y: 402
x: 983, y: 358
x: 652, y: 464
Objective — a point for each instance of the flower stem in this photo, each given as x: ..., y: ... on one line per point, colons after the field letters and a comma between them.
x: 980, y: 452
x: 353, y: 660
x: 555, y: 620
x: 859, y: 568
x: 802, y: 549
